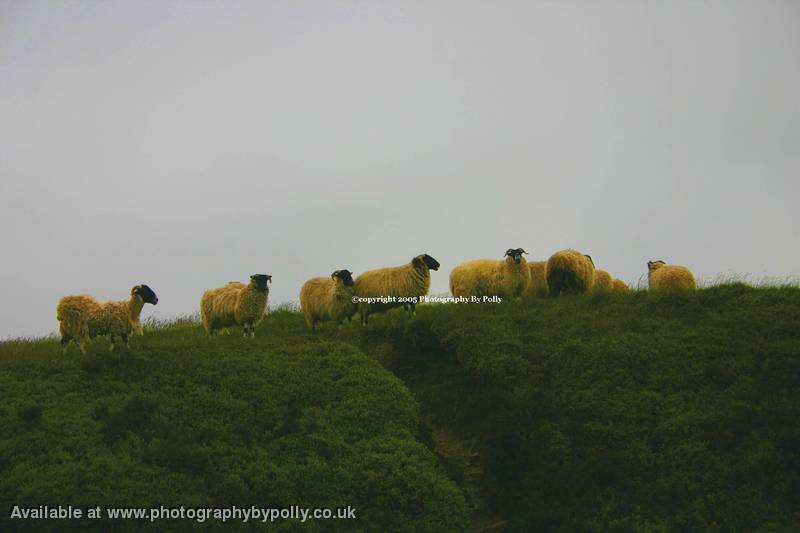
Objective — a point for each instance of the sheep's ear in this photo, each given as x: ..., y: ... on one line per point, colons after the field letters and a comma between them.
x: 335, y: 274
x: 417, y: 261
x: 522, y: 251
x: 510, y: 251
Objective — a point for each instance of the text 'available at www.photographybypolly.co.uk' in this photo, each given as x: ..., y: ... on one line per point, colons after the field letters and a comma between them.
x: 198, y: 514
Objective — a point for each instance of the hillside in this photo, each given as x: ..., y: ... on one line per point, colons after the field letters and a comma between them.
x: 612, y: 412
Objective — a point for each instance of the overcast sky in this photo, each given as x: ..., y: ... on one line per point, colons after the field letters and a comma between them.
x: 187, y: 144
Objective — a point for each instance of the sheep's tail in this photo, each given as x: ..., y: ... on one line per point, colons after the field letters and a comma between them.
x: 67, y: 312
x: 72, y: 320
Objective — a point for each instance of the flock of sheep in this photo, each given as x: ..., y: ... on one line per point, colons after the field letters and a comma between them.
x: 339, y: 297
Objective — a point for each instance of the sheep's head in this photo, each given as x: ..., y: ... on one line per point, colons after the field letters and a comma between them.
x: 515, y: 254
x: 654, y: 265
x: 589, y: 257
x: 345, y: 276
x: 260, y: 281
x: 426, y: 260
x: 145, y: 293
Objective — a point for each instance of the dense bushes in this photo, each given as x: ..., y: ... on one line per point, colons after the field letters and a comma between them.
x: 622, y: 412
x: 637, y: 411
x: 220, y: 423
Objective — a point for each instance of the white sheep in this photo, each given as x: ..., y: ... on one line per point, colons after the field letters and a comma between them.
x: 82, y: 317
x: 663, y: 276
x: 235, y: 304
x: 507, y: 278
x: 405, y: 282
x: 537, y: 286
x: 619, y: 285
x: 323, y: 299
x: 602, y: 281
x: 569, y: 271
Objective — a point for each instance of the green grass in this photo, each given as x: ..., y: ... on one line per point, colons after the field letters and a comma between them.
x: 180, y: 420
x: 662, y: 411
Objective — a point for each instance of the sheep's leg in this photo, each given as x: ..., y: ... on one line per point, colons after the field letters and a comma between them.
x: 411, y: 310
x: 111, y: 348
x: 244, y: 329
x: 252, y: 330
x: 127, y: 341
x: 82, y: 346
x: 64, y: 343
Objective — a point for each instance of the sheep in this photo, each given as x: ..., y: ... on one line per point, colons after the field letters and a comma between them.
x: 663, y: 276
x: 507, y: 278
x: 602, y: 281
x: 619, y: 285
x: 569, y: 271
x: 235, y: 304
x: 537, y: 286
x: 82, y: 317
x: 409, y: 281
x: 323, y: 299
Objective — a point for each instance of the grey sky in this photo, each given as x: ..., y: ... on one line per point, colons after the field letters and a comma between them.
x: 187, y: 144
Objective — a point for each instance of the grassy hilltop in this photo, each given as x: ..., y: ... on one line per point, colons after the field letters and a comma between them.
x: 608, y: 412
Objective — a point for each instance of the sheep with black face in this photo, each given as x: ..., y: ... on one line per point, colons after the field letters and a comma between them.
x: 323, y: 299
x: 408, y: 281
x: 236, y: 304
x: 507, y: 278
x: 82, y: 317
